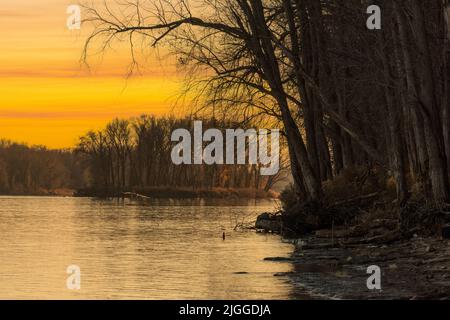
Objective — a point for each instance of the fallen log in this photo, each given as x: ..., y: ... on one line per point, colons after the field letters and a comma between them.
x: 378, y: 239
x: 133, y: 195
x: 354, y: 200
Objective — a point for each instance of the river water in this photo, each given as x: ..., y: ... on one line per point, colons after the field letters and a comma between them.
x: 131, y: 250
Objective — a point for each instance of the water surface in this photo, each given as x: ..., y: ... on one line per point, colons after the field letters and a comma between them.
x: 158, y: 250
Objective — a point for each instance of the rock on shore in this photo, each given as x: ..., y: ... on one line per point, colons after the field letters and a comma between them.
x: 269, y: 222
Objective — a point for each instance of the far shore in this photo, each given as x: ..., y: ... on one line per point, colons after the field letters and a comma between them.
x: 155, y: 193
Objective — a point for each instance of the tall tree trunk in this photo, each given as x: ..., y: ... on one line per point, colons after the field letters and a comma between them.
x: 429, y: 109
x: 394, y: 124
x: 264, y: 51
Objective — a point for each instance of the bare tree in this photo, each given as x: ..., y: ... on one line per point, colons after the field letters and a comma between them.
x: 345, y: 95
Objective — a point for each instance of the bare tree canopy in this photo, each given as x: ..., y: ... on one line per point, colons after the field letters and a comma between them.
x: 345, y: 95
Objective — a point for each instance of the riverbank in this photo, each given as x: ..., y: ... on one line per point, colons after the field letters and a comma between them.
x: 333, y: 263
x: 155, y: 193
x: 357, y: 227
x: 180, y: 193
x: 418, y: 268
x: 62, y: 192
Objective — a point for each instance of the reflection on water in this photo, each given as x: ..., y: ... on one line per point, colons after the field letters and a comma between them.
x: 162, y: 250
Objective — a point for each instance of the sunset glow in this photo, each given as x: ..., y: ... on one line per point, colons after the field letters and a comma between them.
x: 48, y: 97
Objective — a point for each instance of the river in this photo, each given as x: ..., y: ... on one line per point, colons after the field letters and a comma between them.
x: 129, y: 250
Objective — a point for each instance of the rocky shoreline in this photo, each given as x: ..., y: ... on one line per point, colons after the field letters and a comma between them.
x: 336, y: 245
x: 418, y: 268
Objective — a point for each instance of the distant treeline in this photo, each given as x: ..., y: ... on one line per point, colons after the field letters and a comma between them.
x: 128, y: 155
x: 37, y: 170
x: 135, y: 154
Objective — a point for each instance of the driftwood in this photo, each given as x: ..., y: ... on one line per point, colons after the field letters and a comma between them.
x: 346, y: 222
x: 245, y: 226
x: 375, y: 227
x: 133, y: 195
x: 385, y: 238
x: 355, y: 200
x: 304, y: 218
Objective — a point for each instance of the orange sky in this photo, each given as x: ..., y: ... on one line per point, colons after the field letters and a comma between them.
x: 47, y: 98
